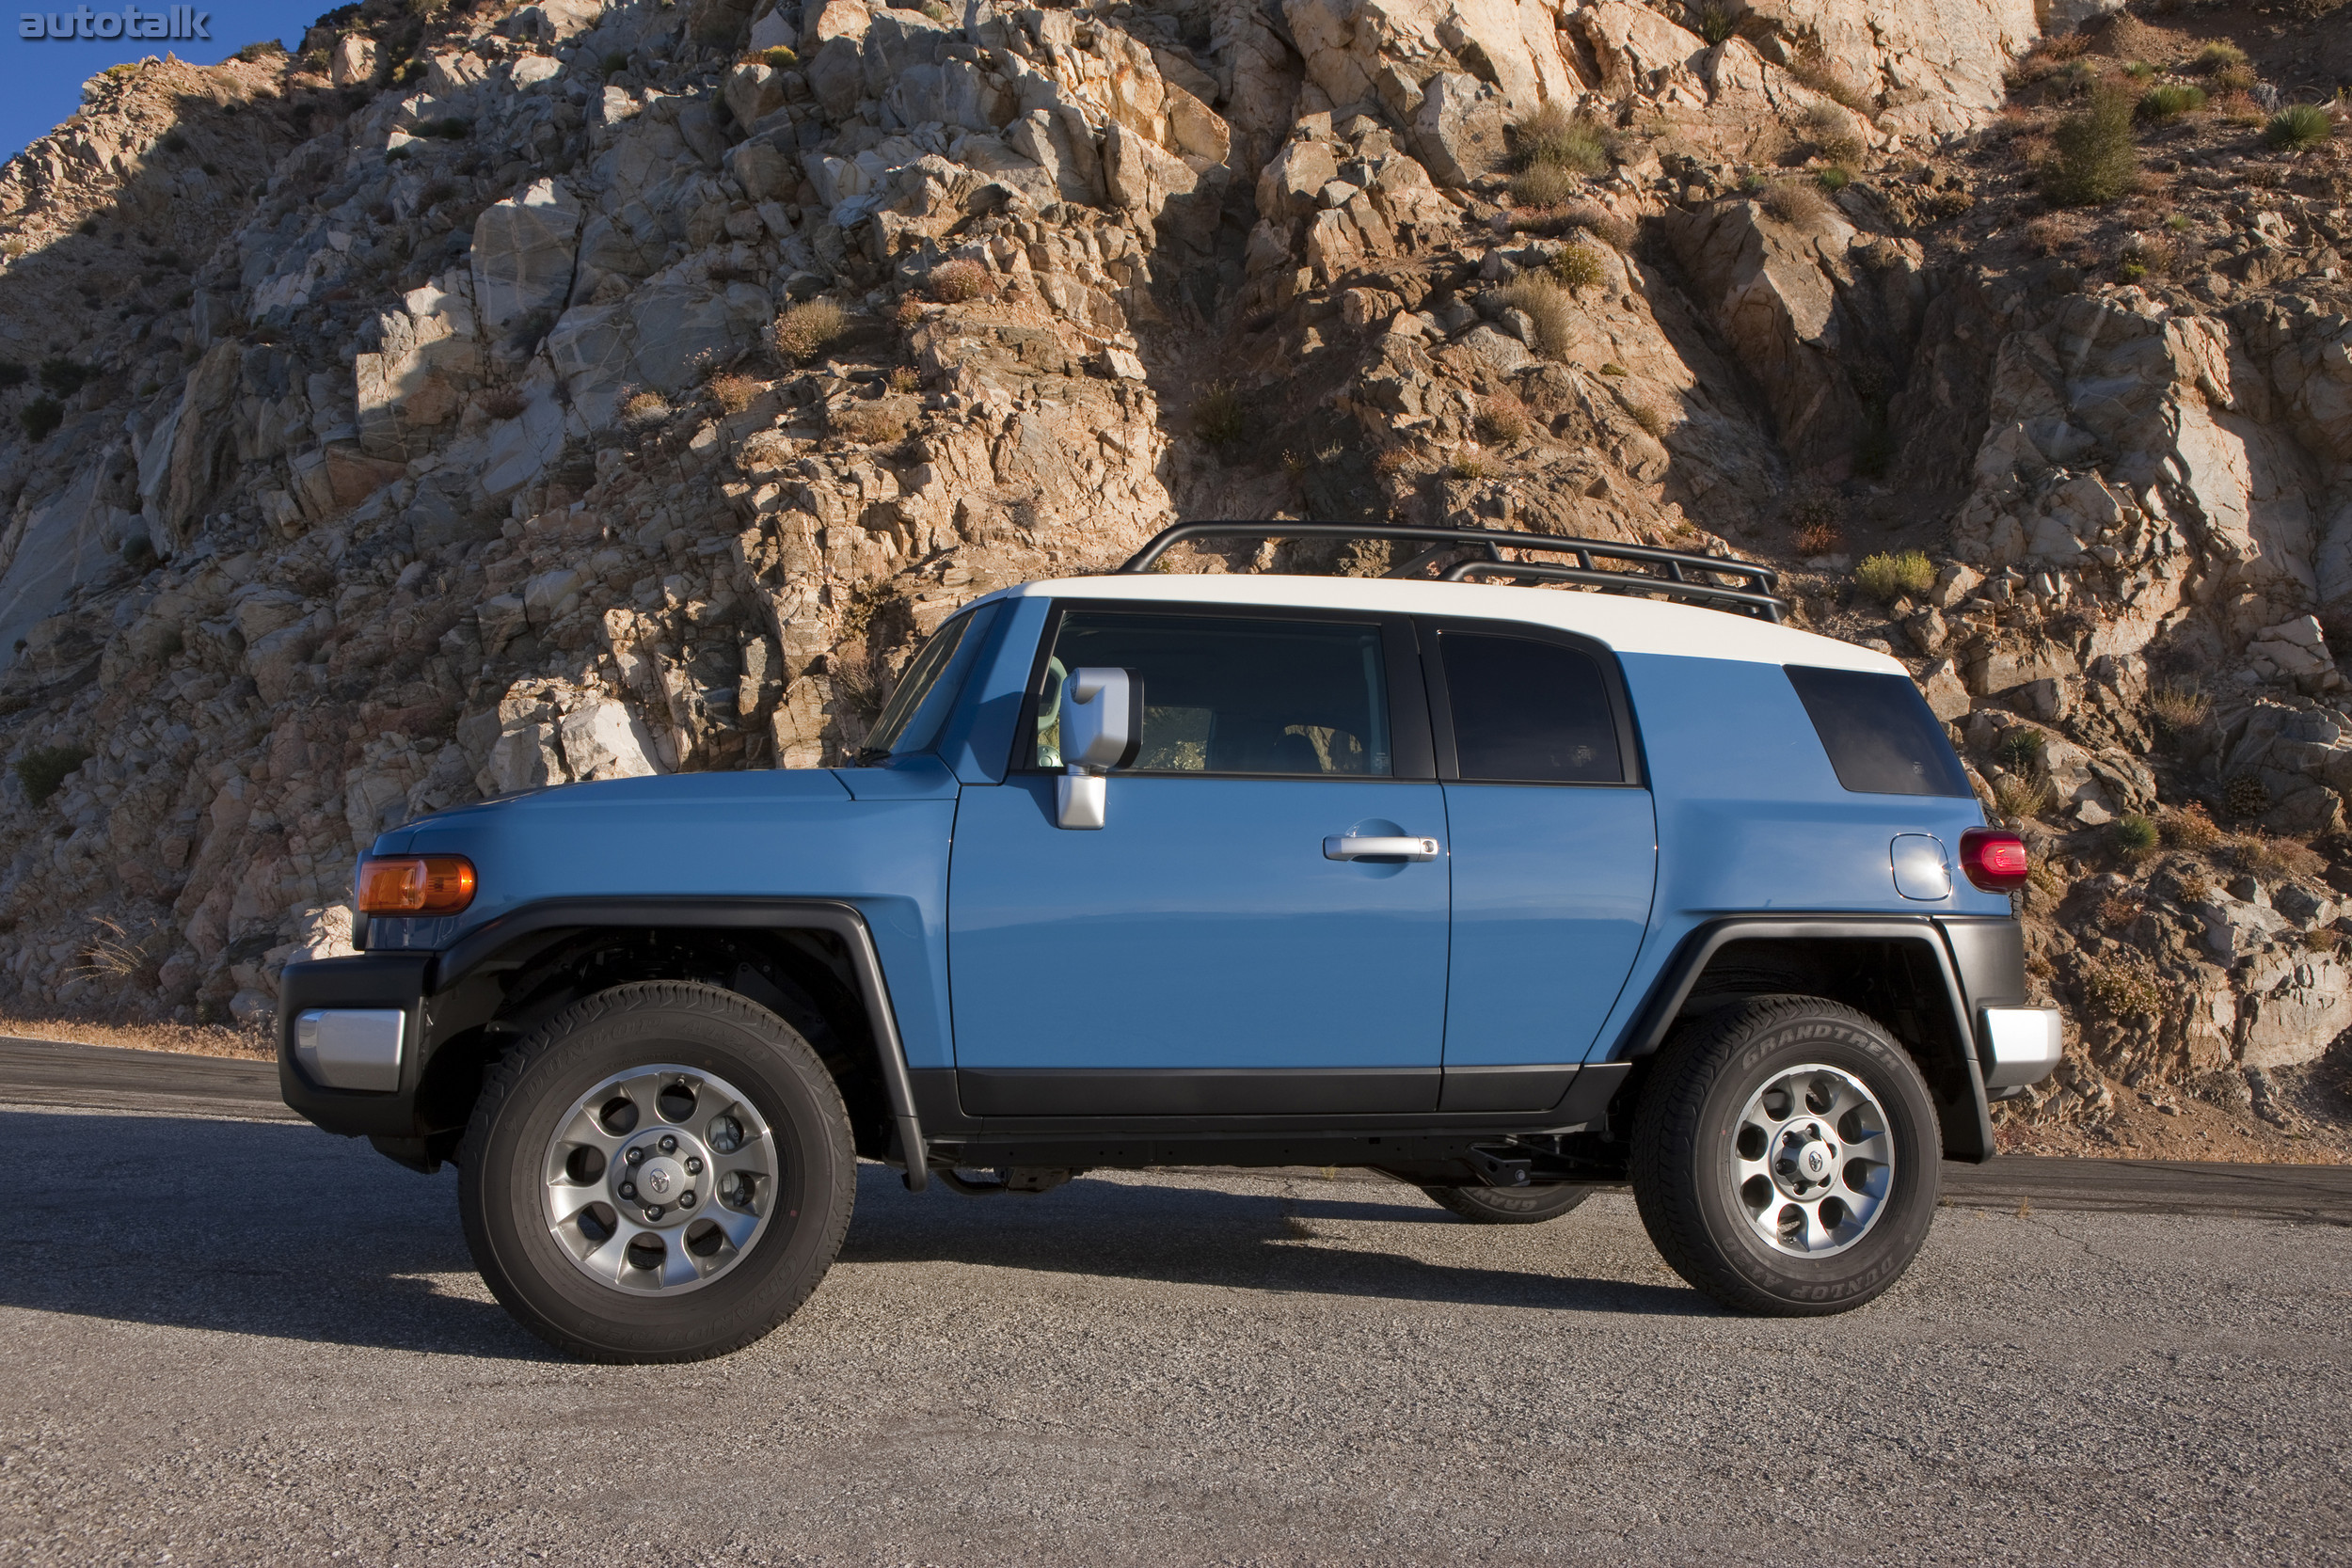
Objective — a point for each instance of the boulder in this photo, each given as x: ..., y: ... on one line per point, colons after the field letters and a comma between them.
x: 523, y: 253
x: 1458, y: 130
x: 602, y: 739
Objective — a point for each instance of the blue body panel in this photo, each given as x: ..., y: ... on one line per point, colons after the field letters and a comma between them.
x: 977, y: 741
x: 1201, y: 927
x: 1752, y: 820
x: 1551, y: 893
x: 802, y: 834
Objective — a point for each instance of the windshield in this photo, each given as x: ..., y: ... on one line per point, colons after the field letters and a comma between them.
x: 910, y: 720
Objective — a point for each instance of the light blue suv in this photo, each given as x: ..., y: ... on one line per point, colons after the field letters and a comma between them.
x: 1506, y: 890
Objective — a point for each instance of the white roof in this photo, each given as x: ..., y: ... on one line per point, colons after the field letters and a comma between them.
x: 1630, y: 626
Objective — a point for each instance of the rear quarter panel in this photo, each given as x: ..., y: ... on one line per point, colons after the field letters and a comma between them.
x: 1752, y: 820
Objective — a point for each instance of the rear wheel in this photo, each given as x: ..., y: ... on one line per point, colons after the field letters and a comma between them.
x: 1511, y: 1205
x: 1784, y: 1156
x: 661, y: 1173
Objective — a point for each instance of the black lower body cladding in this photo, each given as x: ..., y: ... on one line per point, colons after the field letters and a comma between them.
x: 366, y: 982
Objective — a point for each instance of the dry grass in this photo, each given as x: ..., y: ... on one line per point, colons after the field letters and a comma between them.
x: 732, y: 390
x: 1798, y: 203
x: 1503, y: 419
x: 503, y: 403
x: 2265, y: 856
x: 1830, y: 131
x: 873, y: 424
x: 2190, y: 830
x: 1650, y: 415
x: 1905, y: 574
x: 1548, y: 304
x: 1553, y: 136
x: 644, y: 408
x: 1544, y: 185
x: 2178, y: 707
x: 1579, y: 267
x: 1819, y: 538
x: 909, y: 315
x: 1389, y: 461
x: 904, y: 378
x: 1816, y: 69
x: 805, y: 328
x: 960, y: 281
x: 2018, y: 796
x: 1472, y: 465
x: 2217, y: 57
x: 187, y: 1039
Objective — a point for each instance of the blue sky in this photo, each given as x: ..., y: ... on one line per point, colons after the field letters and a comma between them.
x: 41, y: 84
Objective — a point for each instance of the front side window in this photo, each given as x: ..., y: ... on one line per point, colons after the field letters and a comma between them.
x: 910, y: 720
x: 1233, y: 694
x: 1529, y: 712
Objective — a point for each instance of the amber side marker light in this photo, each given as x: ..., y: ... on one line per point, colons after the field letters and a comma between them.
x: 1994, y: 859
x: 416, y: 884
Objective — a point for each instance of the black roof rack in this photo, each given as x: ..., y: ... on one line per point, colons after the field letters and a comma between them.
x: 1750, y: 592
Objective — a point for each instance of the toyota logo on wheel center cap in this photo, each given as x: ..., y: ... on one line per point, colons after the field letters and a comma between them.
x: 1816, y: 1161
x: 659, y: 1178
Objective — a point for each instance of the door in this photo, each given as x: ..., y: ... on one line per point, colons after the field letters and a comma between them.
x: 1201, y: 953
x: 1555, y: 852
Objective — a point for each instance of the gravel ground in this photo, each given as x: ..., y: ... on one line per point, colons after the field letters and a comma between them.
x: 241, y: 1340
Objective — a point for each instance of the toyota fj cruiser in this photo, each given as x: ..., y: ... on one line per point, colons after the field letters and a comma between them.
x: 1506, y: 890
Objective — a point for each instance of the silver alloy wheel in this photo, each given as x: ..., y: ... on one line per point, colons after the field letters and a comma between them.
x: 659, y: 1178
x: 1811, y: 1162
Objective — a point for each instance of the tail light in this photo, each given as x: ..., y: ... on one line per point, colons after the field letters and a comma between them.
x: 415, y: 884
x: 1994, y: 859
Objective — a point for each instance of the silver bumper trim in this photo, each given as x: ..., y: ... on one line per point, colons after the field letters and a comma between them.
x: 351, y: 1048
x: 2022, y: 1045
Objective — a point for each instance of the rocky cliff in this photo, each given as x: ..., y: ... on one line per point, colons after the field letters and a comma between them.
x: 488, y: 398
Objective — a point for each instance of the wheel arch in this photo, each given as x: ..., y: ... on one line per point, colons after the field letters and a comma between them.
x: 810, y: 962
x: 1899, y: 973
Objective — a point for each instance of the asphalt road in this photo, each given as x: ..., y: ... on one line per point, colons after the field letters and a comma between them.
x: 243, y: 1339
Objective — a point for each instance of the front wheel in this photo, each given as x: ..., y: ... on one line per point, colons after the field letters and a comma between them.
x: 1784, y: 1156
x: 661, y: 1173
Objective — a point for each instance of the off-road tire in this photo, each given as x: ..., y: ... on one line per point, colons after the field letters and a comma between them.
x: 1683, y: 1128
x: 1530, y: 1205
x: 696, y: 1027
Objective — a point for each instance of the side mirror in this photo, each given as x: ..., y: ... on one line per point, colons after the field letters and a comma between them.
x: 1102, y: 728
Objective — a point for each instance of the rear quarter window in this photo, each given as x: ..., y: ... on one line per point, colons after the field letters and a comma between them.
x: 1881, y: 736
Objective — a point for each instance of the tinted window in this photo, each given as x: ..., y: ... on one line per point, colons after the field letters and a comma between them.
x: 1878, y: 732
x: 1232, y: 694
x: 1527, y: 711
x: 909, y: 721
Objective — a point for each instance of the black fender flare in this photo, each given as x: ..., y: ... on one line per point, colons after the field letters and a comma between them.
x: 1973, y: 1140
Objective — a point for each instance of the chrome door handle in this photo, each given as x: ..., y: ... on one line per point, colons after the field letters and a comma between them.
x: 1350, y: 848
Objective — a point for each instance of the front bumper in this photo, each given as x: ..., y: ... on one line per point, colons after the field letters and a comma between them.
x: 351, y: 1038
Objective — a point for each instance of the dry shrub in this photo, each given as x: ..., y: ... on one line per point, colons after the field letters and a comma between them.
x: 2014, y: 795
x: 2233, y: 79
x: 645, y: 408
x: 2192, y: 886
x: 1830, y: 131
x: 2122, y: 986
x: 1795, y: 202
x: 1601, y: 224
x: 1649, y: 414
x: 733, y: 391
x: 2190, y: 828
x: 503, y: 403
x: 909, y: 315
x: 1548, y: 305
x: 904, y: 378
x: 2218, y: 56
x: 2240, y: 109
x: 1906, y: 574
x: 1819, y: 538
x: 2177, y: 707
x: 1544, y: 185
x: 1553, y: 136
x: 2260, y: 855
x: 1221, y: 416
x: 882, y: 421
x: 1503, y: 419
x: 1579, y: 267
x: 1471, y: 465
x: 2246, y: 796
x: 961, y: 279
x: 2096, y: 162
x: 805, y: 328
x: 1389, y: 461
